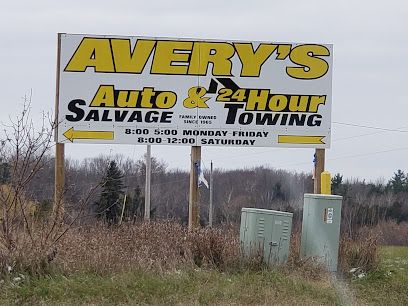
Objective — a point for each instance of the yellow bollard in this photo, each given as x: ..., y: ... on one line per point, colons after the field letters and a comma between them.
x: 325, y: 180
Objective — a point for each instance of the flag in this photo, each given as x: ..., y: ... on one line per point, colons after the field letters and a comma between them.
x: 201, y: 178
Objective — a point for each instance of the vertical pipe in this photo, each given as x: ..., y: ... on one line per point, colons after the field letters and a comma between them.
x: 210, y: 213
x: 147, y: 184
x: 193, y: 205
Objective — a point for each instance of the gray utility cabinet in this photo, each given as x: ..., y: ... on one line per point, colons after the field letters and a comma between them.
x: 266, y: 231
x: 321, y: 228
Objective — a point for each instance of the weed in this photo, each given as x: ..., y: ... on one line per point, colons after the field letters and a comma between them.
x: 361, y: 253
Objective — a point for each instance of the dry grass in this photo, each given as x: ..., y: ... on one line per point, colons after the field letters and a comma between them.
x: 169, y: 246
x: 361, y: 253
x: 308, y: 268
x: 164, y: 263
x: 392, y: 233
x: 160, y: 246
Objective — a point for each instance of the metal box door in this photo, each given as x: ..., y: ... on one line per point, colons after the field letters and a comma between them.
x: 321, y: 228
x: 266, y: 231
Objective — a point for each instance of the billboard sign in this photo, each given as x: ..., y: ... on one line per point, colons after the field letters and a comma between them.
x: 148, y: 90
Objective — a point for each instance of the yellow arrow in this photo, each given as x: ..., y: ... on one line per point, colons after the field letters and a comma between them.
x: 300, y: 139
x: 72, y: 134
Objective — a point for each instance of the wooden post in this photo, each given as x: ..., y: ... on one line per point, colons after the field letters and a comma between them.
x: 193, y: 205
x: 123, y: 209
x: 210, y: 213
x: 319, y: 168
x: 59, y: 179
x: 147, y: 184
x: 59, y: 171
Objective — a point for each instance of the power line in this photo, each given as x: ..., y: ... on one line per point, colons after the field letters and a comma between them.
x: 338, y: 139
x: 371, y: 127
x: 351, y: 156
x: 357, y: 136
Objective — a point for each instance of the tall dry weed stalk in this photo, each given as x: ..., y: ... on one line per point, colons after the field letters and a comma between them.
x: 307, y: 267
x: 27, y: 244
x: 160, y: 246
x: 361, y: 253
x: 392, y: 233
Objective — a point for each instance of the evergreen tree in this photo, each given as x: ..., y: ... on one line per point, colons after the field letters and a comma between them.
x: 4, y: 172
x: 135, y: 205
x: 110, y: 202
x: 336, y: 183
x: 399, y: 182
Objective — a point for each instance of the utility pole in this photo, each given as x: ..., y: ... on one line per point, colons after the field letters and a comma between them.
x: 147, y: 184
x: 319, y: 168
x: 193, y: 203
x: 210, y: 213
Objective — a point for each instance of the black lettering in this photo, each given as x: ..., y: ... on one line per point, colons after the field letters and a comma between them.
x: 79, y: 112
x: 135, y: 116
x: 284, y: 119
x: 105, y: 116
x: 92, y: 115
x: 166, y: 117
x: 232, y: 112
x: 314, y: 120
x: 300, y: 119
x: 245, y: 118
x: 120, y: 116
x: 267, y: 118
x: 152, y: 116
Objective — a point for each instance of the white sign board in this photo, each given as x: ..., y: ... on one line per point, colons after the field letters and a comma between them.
x: 145, y: 90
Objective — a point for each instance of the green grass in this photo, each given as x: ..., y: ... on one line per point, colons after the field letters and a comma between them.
x: 182, y: 288
x: 389, y: 284
x: 386, y: 286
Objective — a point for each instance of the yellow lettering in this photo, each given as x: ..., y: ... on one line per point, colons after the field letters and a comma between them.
x: 127, y: 61
x: 298, y: 104
x: 315, y: 101
x: 147, y: 95
x: 306, y: 56
x: 253, y: 61
x: 217, y: 53
x: 278, y: 103
x: 127, y: 98
x: 166, y: 99
x: 92, y: 52
x: 257, y: 99
x: 104, y: 97
x: 167, y: 53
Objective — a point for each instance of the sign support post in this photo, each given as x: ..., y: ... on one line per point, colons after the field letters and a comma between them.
x: 59, y: 179
x: 193, y: 205
x: 59, y: 168
x: 147, y: 185
x: 210, y: 214
x: 319, y: 168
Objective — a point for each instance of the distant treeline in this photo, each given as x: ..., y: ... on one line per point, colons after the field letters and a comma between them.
x: 261, y: 187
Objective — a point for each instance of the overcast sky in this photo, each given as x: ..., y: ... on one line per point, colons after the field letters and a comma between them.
x: 370, y: 40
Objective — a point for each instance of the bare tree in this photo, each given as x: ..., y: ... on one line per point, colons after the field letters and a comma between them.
x: 23, y: 149
x: 25, y: 152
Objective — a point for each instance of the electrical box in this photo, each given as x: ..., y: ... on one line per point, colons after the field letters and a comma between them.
x: 266, y: 231
x: 321, y: 228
